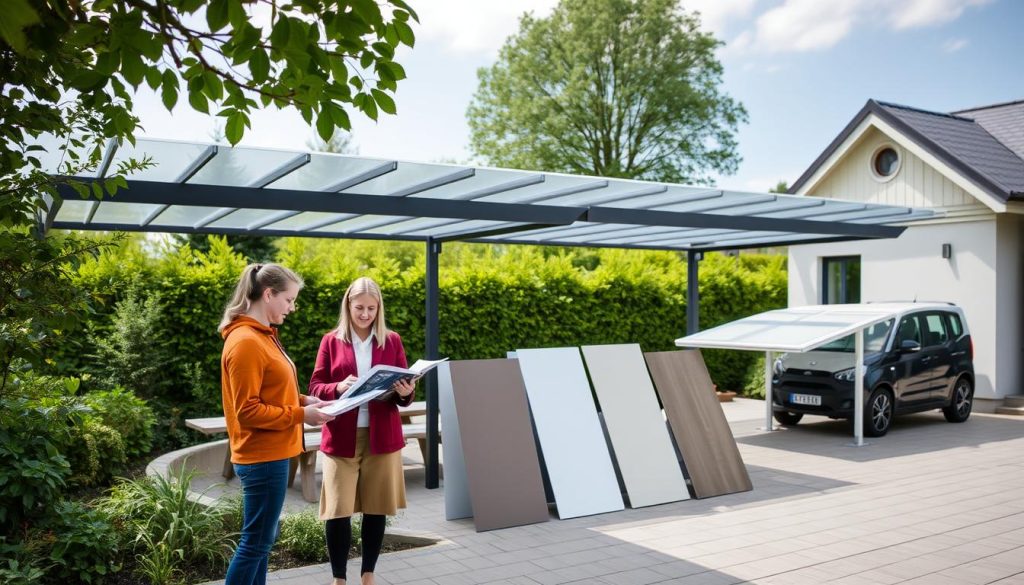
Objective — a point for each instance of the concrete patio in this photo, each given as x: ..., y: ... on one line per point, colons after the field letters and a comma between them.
x: 931, y: 503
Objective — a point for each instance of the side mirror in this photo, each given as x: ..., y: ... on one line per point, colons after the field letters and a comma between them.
x: 909, y: 346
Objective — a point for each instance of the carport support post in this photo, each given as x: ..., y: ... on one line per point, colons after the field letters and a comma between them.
x: 858, y: 389
x: 768, y: 391
x: 693, y: 258
x: 432, y: 349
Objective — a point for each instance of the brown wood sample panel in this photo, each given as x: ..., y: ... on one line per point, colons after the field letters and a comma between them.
x: 702, y: 434
x: 502, y: 465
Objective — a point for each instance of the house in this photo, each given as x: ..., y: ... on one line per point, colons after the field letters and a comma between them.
x: 969, y: 167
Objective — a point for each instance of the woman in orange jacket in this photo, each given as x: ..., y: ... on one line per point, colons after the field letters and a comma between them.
x: 263, y: 409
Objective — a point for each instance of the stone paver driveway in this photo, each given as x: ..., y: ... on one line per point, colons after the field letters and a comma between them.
x: 931, y: 503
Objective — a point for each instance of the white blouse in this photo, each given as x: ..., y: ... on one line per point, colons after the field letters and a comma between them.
x: 364, y: 358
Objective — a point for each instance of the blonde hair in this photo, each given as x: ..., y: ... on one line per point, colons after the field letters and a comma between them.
x: 361, y: 286
x: 255, y: 279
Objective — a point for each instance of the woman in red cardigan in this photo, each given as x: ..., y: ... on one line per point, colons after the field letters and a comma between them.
x: 362, y: 469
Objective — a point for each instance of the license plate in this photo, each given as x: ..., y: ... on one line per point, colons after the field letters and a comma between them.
x: 808, y: 399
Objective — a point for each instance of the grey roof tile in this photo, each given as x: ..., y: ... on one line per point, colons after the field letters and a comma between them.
x: 1003, y: 121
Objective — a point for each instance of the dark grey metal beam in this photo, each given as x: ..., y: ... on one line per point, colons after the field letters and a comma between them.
x: 710, y: 220
x: 179, y: 229
x: 101, y: 173
x: 283, y: 199
x: 496, y: 231
x: 693, y: 259
x: 432, y: 349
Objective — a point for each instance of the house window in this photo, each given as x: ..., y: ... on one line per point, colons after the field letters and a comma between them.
x: 885, y: 163
x: 840, y: 280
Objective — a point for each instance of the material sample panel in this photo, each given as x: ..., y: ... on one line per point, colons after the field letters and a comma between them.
x: 639, y: 438
x: 502, y: 467
x: 702, y: 434
x: 575, y: 453
x: 456, y: 489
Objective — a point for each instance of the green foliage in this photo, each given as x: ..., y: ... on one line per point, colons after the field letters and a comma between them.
x: 618, y: 88
x: 82, y: 545
x: 19, y: 565
x: 134, y: 354
x: 493, y: 299
x: 254, y: 248
x: 125, y: 412
x: 753, y: 387
x: 166, y: 530
x: 302, y: 534
x: 96, y: 453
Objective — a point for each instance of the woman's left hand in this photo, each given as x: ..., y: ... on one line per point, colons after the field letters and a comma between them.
x: 404, y: 387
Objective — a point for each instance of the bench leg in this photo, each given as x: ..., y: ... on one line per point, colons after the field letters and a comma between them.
x: 229, y: 468
x: 307, y: 461
x: 293, y: 465
x: 423, y: 449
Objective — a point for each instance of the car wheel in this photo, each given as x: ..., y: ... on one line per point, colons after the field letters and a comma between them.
x: 959, y: 408
x: 878, y: 415
x: 788, y: 419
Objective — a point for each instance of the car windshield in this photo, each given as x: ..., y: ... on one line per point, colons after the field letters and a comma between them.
x: 874, y: 339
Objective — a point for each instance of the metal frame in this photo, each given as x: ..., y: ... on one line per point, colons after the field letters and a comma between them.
x: 577, y: 211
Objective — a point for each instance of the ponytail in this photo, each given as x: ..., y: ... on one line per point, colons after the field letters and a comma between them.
x: 255, y: 279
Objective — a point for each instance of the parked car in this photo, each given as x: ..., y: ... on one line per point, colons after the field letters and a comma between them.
x: 924, y: 363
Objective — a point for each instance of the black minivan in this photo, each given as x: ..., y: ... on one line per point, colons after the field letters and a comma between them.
x: 924, y: 363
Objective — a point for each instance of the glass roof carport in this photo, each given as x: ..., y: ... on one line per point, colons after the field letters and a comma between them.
x: 799, y: 329
x: 206, y: 188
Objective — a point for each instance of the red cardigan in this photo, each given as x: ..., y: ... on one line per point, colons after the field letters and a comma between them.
x: 335, y: 361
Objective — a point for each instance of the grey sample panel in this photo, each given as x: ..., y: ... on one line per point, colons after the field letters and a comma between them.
x: 698, y: 423
x: 502, y: 466
x: 639, y: 438
x: 575, y: 452
x: 457, y: 503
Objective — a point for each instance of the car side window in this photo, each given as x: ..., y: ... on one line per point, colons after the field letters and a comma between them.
x: 908, y: 331
x: 955, y: 326
x: 935, y: 333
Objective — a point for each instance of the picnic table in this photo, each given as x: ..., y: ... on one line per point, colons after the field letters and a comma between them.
x: 306, y: 461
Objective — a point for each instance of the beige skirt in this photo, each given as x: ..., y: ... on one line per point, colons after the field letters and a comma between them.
x: 371, y: 484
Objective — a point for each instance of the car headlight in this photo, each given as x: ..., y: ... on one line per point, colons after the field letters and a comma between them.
x: 845, y: 375
x: 778, y: 367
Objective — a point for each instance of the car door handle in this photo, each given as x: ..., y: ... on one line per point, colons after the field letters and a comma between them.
x: 927, y: 359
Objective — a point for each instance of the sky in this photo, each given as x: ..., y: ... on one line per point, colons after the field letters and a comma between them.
x: 802, y: 68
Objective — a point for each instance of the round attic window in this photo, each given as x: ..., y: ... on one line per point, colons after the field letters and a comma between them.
x: 885, y: 163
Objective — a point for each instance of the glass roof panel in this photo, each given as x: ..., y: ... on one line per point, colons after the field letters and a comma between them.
x: 170, y: 159
x: 354, y: 225
x: 407, y: 177
x: 465, y: 227
x: 553, y: 186
x: 75, y: 210
x: 481, y: 184
x: 183, y: 215
x: 794, y: 329
x: 300, y: 221
x: 243, y: 218
x: 240, y: 166
x: 123, y: 213
x: 325, y: 170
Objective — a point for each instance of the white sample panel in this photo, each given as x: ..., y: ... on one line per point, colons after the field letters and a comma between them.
x: 571, y: 441
x: 457, y: 503
x: 636, y: 427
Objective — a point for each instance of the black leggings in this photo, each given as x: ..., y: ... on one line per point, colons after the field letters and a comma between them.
x: 339, y: 541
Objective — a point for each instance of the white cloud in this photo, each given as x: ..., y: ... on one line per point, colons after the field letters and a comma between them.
x: 472, y: 26
x: 954, y: 45
x: 812, y: 25
x: 715, y: 15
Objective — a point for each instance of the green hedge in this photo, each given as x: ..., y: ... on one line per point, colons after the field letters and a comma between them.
x: 493, y: 299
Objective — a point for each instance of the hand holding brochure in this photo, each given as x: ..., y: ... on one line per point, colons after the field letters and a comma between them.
x: 376, y: 383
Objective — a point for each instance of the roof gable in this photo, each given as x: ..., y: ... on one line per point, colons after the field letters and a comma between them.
x: 958, y: 141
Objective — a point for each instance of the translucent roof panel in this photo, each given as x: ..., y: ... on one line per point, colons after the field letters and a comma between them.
x: 218, y: 188
x: 795, y: 329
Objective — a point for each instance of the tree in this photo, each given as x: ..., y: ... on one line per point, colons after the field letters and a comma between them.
x: 339, y: 143
x: 780, y: 187
x: 66, y: 74
x: 618, y: 88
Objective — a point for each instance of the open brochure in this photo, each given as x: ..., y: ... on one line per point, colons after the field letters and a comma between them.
x: 376, y: 384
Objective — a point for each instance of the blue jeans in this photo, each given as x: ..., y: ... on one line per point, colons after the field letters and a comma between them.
x: 263, y: 487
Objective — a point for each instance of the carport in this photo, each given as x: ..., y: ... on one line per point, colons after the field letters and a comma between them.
x: 799, y: 329
x: 207, y: 188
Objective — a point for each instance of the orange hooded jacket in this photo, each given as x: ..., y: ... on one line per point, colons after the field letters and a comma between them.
x: 260, y: 394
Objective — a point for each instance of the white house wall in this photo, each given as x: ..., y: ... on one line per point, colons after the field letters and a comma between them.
x: 1010, y: 304
x: 915, y: 185
x: 911, y: 267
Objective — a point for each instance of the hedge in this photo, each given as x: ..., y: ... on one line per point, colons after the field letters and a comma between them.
x: 492, y: 299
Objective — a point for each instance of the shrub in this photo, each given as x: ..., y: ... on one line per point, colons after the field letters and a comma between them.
x: 302, y: 535
x: 19, y: 564
x: 96, y: 453
x: 83, y: 545
x: 128, y: 414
